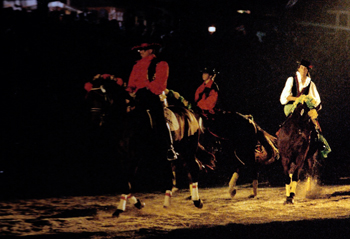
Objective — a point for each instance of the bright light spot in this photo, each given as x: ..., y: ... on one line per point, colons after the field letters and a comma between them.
x: 212, y: 29
x: 243, y: 11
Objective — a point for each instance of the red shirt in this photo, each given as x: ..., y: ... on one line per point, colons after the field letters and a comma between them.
x: 206, y: 102
x: 139, y: 76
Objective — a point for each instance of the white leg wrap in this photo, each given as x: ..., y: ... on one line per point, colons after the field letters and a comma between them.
x: 133, y: 199
x: 287, y: 190
x: 195, y: 195
x: 293, y: 186
x: 122, y: 202
x: 191, y: 189
x: 167, y: 198
x: 308, y: 184
x: 233, y: 181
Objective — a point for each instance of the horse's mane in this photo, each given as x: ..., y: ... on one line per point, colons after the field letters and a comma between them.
x: 304, y: 99
x: 175, y: 97
x: 304, y: 102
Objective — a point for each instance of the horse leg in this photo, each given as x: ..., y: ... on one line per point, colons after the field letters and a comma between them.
x: 170, y: 186
x: 195, y: 196
x: 312, y: 173
x: 255, y: 189
x: 232, y: 184
x: 132, y: 168
x: 192, y: 170
x: 123, y: 201
x: 255, y: 183
x: 291, y: 186
x: 167, y: 198
x: 173, y: 168
x: 194, y: 188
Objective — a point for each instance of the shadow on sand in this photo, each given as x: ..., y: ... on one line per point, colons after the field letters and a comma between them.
x: 329, y: 228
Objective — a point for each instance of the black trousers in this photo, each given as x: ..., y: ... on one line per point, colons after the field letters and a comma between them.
x: 146, y: 100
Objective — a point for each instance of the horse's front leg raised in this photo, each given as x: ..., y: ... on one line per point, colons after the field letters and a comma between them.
x: 232, y: 184
x: 255, y: 183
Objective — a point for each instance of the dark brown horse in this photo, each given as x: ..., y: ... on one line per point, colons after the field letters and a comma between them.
x: 298, y: 146
x: 141, y: 145
x: 243, y: 139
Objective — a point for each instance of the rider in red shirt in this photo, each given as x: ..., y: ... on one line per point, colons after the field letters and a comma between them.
x: 206, y: 95
x: 147, y: 82
x: 139, y: 75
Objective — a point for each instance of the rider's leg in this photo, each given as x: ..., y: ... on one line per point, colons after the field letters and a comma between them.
x: 172, y: 155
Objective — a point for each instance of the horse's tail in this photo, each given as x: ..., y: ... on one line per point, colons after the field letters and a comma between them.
x: 269, y: 143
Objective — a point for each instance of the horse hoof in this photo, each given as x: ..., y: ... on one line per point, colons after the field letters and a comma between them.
x: 198, y: 203
x: 189, y: 197
x: 117, y: 213
x: 174, y: 189
x: 232, y: 192
x: 289, y: 200
x: 139, y: 204
x: 251, y: 196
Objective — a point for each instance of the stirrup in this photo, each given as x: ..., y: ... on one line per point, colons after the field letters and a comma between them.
x: 172, y: 155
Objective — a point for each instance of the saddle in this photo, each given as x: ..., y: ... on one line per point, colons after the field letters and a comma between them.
x: 171, y: 119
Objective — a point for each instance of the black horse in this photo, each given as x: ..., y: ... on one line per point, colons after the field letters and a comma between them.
x: 242, y: 138
x: 140, y: 145
x: 297, y: 144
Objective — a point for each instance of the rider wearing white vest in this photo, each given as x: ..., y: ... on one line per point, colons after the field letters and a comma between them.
x: 298, y: 85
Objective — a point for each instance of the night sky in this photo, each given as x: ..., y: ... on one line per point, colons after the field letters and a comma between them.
x: 46, y: 144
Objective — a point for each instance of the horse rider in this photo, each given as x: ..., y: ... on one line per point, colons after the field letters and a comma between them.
x: 147, y: 83
x: 206, y: 95
x: 301, y: 84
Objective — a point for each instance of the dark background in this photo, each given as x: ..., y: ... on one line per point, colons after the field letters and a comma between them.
x: 47, y: 148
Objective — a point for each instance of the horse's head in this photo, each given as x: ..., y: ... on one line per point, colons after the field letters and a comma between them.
x: 299, y: 128
x: 106, y: 97
x: 304, y: 109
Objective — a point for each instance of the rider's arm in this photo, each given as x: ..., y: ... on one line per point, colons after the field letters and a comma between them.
x: 314, y: 93
x: 209, y: 102
x: 159, y: 84
x: 286, y: 94
x: 198, y: 91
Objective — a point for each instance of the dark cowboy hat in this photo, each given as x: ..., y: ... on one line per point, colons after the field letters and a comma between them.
x: 146, y: 46
x: 211, y: 71
x: 305, y: 63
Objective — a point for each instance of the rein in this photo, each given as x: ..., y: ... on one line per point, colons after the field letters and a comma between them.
x: 215, y: 135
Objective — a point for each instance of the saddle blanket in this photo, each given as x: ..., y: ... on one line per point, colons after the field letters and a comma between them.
x: 171, y: 119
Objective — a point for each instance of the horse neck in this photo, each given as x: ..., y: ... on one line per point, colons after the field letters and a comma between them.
x: 299, y: 119
x: 301, y: 113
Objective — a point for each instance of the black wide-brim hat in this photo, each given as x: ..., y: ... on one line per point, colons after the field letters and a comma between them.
x: 146, y: 46
x: 209, y: 70
x: 306, y: 63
